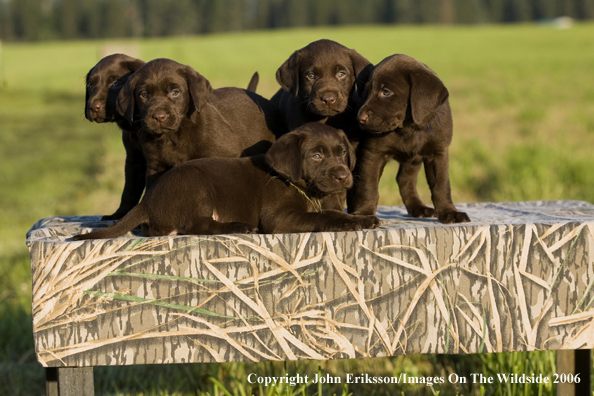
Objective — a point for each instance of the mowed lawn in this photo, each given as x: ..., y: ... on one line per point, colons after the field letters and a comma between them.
x: 523, y: 104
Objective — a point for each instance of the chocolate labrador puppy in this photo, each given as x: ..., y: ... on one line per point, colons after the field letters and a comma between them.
x: 276, y: 193
x: 103, y: 84
x: 407, y: 117
x: 317, y: 82
x: 180, y: 117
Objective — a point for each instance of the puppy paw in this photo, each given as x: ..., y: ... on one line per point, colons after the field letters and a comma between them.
x: 422, y: 212
x: 368, y: 222
x: 239, y: 228
x: 346, y: 225
x: 453, y: 217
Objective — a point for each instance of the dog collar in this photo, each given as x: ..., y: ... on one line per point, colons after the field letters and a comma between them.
x: 313, y: 201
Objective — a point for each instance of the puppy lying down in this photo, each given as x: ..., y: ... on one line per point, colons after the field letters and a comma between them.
x: 274, y: 193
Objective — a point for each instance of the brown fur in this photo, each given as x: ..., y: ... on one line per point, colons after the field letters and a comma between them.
x: 253, y: 84
x: 181, y: 117
x: 406, y: 117
x: 275, y: 193
x: 103, y: 84
x: 317, y: 82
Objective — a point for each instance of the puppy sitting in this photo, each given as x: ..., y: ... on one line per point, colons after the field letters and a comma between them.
x: 316, y: 82
x: 407, y: 117
x: 181, y: 118
x: 276, y: 193
x: 103, y: 84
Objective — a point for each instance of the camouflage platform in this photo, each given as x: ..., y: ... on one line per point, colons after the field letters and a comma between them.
x: 518, y: 278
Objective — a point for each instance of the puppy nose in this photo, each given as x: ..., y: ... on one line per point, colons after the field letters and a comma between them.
x: 363, y: 118
x: 329, y: 98
x: 340, y: 175
x: 160, y: 115
x: 96, y: 106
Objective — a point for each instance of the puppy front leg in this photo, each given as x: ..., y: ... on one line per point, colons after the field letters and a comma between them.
x: 363, y: 197
x: 407, y: 184
x: 437, y: 173
x: 328, y: 221
x: 365, y: 221
x: 135, y: 176
x: 208, y: 226
x: 135, y: 171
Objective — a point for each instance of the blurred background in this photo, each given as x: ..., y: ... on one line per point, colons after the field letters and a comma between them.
x: 93, y: 19
x: 521, y: 88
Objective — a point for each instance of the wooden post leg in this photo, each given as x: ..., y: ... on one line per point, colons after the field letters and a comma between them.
x: 574, y: 362
x: 51, y: 381
x: 68, y: 381
x: 76, y: 381
x: 583, y: 365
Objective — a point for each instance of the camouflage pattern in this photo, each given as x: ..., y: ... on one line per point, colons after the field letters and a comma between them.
x: 517, y: 278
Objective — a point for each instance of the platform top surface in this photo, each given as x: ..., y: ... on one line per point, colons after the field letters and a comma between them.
x: 62, y: 228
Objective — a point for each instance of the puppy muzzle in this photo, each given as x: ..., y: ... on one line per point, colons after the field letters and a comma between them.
x: 161, y: 120
x: 370, y: 122
x: 336, y: 179
x: 96, y: 110
x: 327, y: 100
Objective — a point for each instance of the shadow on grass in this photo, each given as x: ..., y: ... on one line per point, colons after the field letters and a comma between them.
x: 20, y: 374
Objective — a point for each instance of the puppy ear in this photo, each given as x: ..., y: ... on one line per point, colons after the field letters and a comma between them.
x: 87, y: 95
x: 125, y: 100
x: 351, y: 157
x: 285, y: 156
x: 362, y: 79
x: 288, y: 74
x: 359, y: 62
x: 427, y: 93
x: 134, y: 65
x: 198, y: 86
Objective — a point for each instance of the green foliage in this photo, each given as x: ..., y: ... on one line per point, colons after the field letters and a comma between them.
x: 523, y: 105
x: 20, y: 373
x: 33, y: 20
x: 536, y: 363
x: 48, y: 160
x: 524, y: 172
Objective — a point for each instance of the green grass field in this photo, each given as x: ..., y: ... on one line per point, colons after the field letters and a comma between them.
x: 523, y: 105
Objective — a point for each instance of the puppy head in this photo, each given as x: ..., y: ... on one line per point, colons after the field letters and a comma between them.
x: 315, y: 155
x: 400, y: 87
x: 103, y: 84
x: 161, y: 93
x: 322, y: 75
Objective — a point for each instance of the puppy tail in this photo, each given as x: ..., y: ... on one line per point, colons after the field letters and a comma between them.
x: 253, y: 84
x: 136, y: 216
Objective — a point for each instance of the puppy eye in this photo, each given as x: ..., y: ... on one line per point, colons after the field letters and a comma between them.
x: 341, y: 74
x: 310, y: 75
x: 144, y: 95
x: 344, y: 152
x: 116, y: 84
x: 386, y: 92
x: 317, y: 157
x: 175, y: 92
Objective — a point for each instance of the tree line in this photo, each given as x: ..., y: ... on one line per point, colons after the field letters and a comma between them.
x: 31, y: 20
